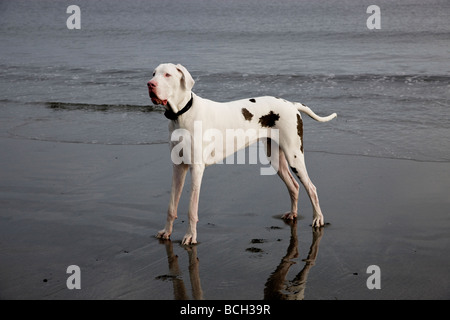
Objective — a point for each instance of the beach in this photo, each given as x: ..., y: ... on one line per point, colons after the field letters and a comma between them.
x: 85, y: 166
x: 99, y: 207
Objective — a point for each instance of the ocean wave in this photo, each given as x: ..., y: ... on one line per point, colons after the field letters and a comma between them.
x: 70, y: 106
x: 385, y: 78
x: 30, y: 72
x: 74, y: 106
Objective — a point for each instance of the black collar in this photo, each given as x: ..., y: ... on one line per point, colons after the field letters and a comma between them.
x: 174, y: 116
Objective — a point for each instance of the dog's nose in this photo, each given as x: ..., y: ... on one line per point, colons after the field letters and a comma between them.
x: 152, y: 84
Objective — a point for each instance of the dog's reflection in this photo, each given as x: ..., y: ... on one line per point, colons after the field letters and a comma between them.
x: 179, y: 288
x: 277, y: 288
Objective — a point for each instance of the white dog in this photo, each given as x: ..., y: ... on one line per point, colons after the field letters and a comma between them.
x: 171, y: 86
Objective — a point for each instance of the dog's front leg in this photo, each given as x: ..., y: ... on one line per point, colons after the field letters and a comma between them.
x: 196, y: 177
x: 178, y: 177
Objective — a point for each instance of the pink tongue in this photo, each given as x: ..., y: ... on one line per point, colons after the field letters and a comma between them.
x: 164, y: 102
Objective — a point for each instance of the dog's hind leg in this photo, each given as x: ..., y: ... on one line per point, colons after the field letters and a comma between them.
x: 282, y: 169
x: 297, y: 164
x: 292, y: 145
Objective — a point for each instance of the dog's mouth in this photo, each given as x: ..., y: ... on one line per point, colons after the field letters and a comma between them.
x: 156, y: 100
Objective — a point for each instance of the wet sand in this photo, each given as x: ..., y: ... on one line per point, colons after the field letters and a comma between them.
x: 99, y: 207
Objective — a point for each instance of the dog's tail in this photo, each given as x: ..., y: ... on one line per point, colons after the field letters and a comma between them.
x: 309, y: 112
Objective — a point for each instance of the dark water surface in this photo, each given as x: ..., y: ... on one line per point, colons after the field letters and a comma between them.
x: 390, y: 87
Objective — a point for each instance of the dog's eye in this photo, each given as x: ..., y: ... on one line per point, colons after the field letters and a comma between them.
x: 167, y: 75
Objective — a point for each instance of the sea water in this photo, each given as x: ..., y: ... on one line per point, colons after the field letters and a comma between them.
x: 390, y: 86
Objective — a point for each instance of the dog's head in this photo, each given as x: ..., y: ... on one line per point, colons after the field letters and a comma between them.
x: 170, y: 86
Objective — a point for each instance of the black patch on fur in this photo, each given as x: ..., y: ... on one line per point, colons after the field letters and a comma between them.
x: 252, y: 100
x: 294, y: 170
x: 269, y: 119
x: 247, y: 114
x: 300, y: 130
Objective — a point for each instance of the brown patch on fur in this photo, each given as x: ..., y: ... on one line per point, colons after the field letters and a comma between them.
x: 300, y: 130
x: 269, y: 119
x: 247, y: 114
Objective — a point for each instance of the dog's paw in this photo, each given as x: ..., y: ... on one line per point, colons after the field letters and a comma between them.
x: 163, y: 234
x: 189, y: 239
x: 318, y: 222
x: 289, y: 216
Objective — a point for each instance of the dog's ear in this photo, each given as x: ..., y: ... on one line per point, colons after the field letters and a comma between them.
x: 187, y: 81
